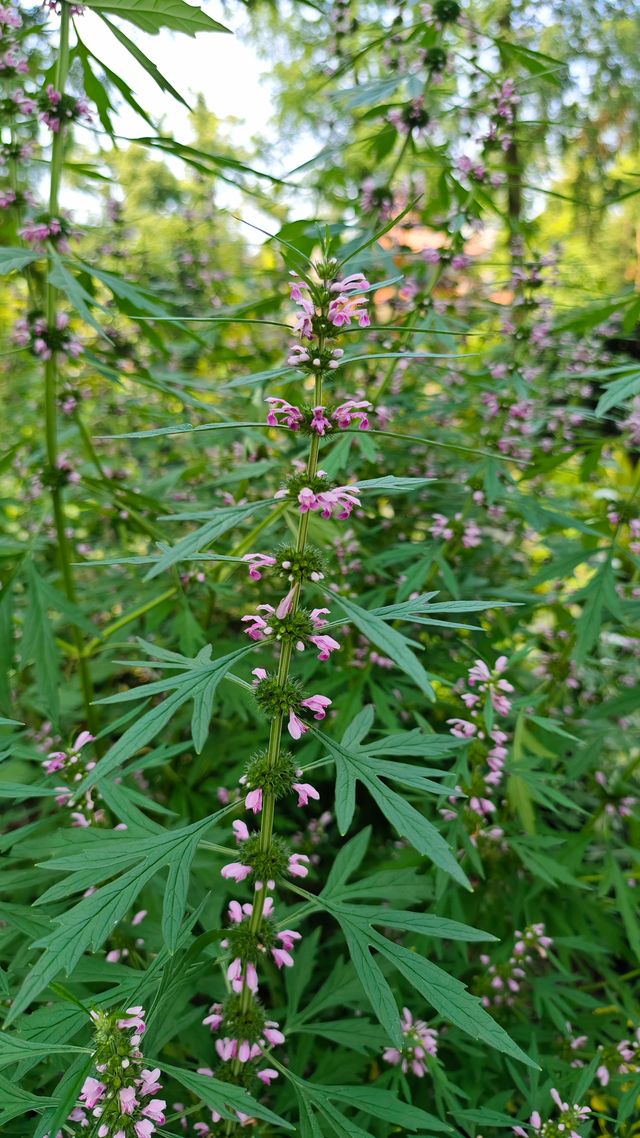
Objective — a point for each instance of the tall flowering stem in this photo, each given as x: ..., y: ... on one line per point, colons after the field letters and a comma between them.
x: 325, y: 305
x: 54, y: 324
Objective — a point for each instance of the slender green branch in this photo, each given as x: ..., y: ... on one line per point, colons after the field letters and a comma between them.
x: 65, y: 555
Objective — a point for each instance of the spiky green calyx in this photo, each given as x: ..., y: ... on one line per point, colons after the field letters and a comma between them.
x: 273, y: 778
x: 275, y: 698
x: 267, y: 865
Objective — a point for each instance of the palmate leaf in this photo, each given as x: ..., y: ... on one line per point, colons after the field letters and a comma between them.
x: 387, y: 639
x: 198, y: 682
x: 89, y: 922
x: 447, y: 995
x: 151, y: 15
x: 356, y: 763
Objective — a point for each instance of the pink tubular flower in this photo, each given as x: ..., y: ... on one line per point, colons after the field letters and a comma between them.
x: 345, y: 308
x: 297, y: 866
x: 91, y: 1093
x: 144, y: 1128
x: 352, y: 411
x: 462, y: 728
x: 319, y: 422
x: 296, y: 726
x: 291, y: 416
x: 479, y: 673
x: 353, y: 283
x: 155, y: 1110
x: 259, y: 629
x: 240, y: 829
x: 213, y: 1021
x: 257, y: 562
x: 272, y: 1033
x: 236, y: 871
x: 267, y: 1075
x: 150, y: 1082
x: 318, y: 704
x: 326, y: 644
x: 305, y: 791
x: 135, y: 1020
x: 128, y: 1100
x: 253, y: 800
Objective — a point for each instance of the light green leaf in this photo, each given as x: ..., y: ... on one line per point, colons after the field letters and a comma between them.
x: 223, y: 1097
x: 15, y: 258
x: 92, y: 919
x: 148, y: 64
x: 152, y: 15
x: 362, y: 766
x: 387, y: 639
x: 196, y: 683
x: 220, y: 521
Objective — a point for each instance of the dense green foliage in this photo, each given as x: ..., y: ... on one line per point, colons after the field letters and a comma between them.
x: 411, y: 577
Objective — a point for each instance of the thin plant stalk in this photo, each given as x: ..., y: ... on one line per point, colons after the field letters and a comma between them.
x: 65, y: 554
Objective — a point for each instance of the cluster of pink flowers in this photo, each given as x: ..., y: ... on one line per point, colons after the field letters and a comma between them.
x: 260, y: 627
x: 238, y: 871
x: 73, y: 768
x: 10, y: 197
x: 616, y: 807
x: 120, y: 1102
x: 318, y: 419
x: 9, y: 17
x: 33, y: 332
x: 37, y: 232
x: 446, y: 528
x: 491, y: 684
x: 419, y: 1042
x: 345, y: 306
x: 563, y: 1127
x: 317, y: 704
x: 502, y: 982
x: 623, y: 1059
x: 476, y: 171
x: 12, y: 63
x: 57, y: 109
x: 335, y: 501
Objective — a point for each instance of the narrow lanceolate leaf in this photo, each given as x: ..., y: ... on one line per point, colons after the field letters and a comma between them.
x: 148, y: 65
x: 197, y: 683
x: 152, y: 15
x: 374, y: 1101
x: 15, y: 1102
x: 14, y: 1049
x: 88, y: 923
x: 15, y: 258
x: 219, y: 522
x: 355, y: 764
x: 223, y: 1097
x: 391, y: 484
x: 391, y: 642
